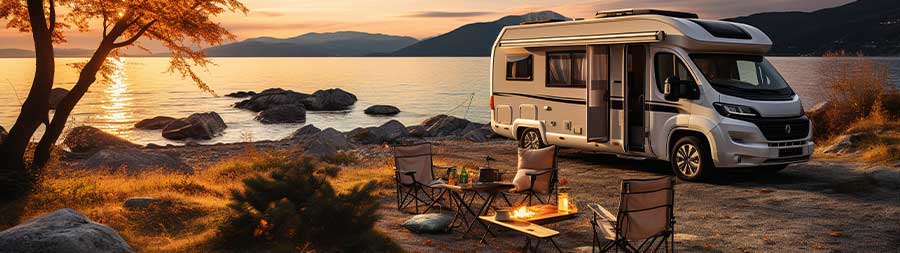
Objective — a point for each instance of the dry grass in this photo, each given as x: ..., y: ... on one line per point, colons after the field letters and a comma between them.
x: 193, y: 206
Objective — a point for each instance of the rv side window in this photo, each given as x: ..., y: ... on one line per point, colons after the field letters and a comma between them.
x: 519, y: 67
x: 667, y: 64
x: 566, y: 69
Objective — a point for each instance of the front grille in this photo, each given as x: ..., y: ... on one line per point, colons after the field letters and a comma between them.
x: 786, y: 144
x: 783, y: 129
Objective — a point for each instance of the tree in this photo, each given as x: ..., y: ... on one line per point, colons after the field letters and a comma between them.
x: 181, y: 26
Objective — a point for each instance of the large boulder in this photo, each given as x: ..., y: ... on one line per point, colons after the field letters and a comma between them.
x: 302, y: 133
x: 90, y: 139
x: 155, y: 123
x: 481, y: 134
x: 3, y: 134
x: 445, y: 125
x: 134, y: 161
x: 270, y: 98
x: 431, y: 223
x: 241, y: 94
x: 197, y: 126
x: 57, y: 95
x: 326, y: 143
x: 64, y: 230
x: 387, y: 132
x: 289, y: 113
x: 382, y: 110
x: 330, y: 100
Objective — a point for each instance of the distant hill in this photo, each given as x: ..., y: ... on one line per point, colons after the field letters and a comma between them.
x: 470, y: 40
x: 59, y: 52
x: 334, y: 44
x: 869, y: 26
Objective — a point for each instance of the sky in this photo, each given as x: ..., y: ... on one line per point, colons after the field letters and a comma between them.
x: 422, y: 19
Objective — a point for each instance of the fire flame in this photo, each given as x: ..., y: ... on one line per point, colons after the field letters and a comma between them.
x: 522, y: 212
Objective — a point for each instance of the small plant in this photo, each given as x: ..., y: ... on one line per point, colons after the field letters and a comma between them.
x: 296, y: 208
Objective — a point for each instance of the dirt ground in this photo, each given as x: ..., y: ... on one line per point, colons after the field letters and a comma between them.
x: 827, y: 205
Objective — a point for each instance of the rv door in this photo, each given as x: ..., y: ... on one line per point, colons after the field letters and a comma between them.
x: 598, y: 94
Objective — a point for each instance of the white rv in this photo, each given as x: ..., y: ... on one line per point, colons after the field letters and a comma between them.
x: 648, y: 84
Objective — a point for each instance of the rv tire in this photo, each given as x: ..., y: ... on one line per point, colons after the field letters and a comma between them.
x: 690, y: 158
x: 531, y: 139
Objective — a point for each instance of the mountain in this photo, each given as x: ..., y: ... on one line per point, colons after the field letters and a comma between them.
x: 868, y: 26
x: 58, y: 52
x: 314, y: 45
x: 471, y: 40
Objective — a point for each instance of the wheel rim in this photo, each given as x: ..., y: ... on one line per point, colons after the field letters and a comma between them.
x: 531, y: 140
x: 687, y: 160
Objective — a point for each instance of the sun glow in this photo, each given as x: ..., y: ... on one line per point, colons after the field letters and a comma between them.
x: 116, y: 102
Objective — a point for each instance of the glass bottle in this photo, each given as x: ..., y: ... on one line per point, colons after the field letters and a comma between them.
x: 463, y: 176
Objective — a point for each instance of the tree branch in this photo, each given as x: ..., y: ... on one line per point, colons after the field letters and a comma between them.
x: 105, y: 18
x: 52, y: 16
x: 136, y: 36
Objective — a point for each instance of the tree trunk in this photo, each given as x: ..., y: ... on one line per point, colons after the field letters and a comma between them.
x: 67, y: 104
x: 13, y: 177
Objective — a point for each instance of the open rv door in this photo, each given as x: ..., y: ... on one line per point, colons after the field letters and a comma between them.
x: 598, y: 94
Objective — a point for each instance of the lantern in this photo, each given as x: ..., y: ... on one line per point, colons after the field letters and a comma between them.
x: 563, y: 201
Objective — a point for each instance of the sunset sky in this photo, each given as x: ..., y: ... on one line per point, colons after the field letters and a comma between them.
x: 422, y: 19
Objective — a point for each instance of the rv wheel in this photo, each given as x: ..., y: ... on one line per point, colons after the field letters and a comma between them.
x: 531, y: 139
x: 690, y: 158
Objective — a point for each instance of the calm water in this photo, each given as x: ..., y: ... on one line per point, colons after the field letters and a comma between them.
x: 140, y: 88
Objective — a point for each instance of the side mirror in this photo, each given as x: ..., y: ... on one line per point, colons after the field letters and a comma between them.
x: 672, y: 88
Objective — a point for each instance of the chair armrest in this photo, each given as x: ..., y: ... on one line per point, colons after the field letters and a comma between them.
x: 602, y: 212
x: 541, y: 172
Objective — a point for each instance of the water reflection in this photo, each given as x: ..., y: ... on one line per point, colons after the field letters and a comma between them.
x: 116, y: 102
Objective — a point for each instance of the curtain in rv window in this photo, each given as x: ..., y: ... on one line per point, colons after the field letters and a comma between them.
x: 519, y: 67
x: 667, y: 64
x: 566, y: 69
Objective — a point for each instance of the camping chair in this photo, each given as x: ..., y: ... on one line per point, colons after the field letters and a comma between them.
x: 537, y: 174
x: 645, y: 221
x: 415, y: 177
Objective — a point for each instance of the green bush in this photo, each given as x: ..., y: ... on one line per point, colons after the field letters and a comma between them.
x: 296, y: 208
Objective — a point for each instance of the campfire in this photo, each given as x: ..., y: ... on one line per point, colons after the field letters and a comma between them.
x: 522, y: 213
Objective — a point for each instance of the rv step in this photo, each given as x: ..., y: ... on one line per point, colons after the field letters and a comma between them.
x: 631, y: 157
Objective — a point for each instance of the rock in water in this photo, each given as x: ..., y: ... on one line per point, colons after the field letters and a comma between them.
x: 197, y: 126
x: 57, y: 95
x: 64, y: 230
x: 382, y: 110
x: 91, y: 139
x: 241, y: 94
x: 270, y: 98
x: 330, y: 100
x: 135, y: 161
x: 2, y: 134
x: 155, y: 123
x: 431, y: 223
x: 290, y: 113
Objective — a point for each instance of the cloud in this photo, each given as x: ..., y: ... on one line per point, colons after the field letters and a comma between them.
x: 448, y: 14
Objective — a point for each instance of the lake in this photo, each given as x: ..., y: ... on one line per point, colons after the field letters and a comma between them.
x: 140, y: 88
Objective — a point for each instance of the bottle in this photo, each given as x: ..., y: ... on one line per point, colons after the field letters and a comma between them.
x: 463, y: 176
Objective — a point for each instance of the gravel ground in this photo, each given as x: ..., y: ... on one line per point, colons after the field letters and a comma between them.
x: 827, y: 205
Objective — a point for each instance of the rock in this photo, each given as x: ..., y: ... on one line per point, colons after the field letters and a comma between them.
x: 481, y: 134
x: 302, y: 133
x: 847, y: 144
x: 90, y: 139
x: 330, y: 100
x: 197, y: 126
x: 64, y: 230
x: 3, y: 134
x: 56, y: 96
x: 387, y: 132
x: 155, y: 123
x: 444, y: 125
x: 382, y: 110
x: 241, y: 94
x: 134, y: 161
x: 431, y: 223
x: 136, y: 203
x: 326, y: 143
x: 289, y: 113
x: 418, y: 131
x: 271, y: 98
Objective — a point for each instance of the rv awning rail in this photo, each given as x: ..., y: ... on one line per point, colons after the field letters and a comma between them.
x: 632, y: 37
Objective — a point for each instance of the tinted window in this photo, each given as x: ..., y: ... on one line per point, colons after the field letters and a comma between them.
x: 519, y: 67
x: 668, y: 65
x: 723, y: 30
x: 566, y: 69
x: 746, y: 76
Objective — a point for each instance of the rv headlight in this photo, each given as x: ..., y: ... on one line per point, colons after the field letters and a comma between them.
x: 730, y: 110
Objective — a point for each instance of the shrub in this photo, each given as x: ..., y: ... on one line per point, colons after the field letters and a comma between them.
x: 296, y: 208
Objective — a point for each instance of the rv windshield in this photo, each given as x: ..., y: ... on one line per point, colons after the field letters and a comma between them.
x: 745, y: 76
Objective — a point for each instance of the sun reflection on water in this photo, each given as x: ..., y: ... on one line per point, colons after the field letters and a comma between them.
x: 116, y: 102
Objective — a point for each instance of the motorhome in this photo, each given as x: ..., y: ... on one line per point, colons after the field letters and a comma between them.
x: 649, y: 84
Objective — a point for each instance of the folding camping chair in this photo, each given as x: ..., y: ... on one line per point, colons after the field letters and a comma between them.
x: 645, y: 221
x: 537, y: 174
x: 414, y: 173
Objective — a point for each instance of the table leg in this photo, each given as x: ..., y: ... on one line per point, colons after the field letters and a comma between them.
x: 554, y: 245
